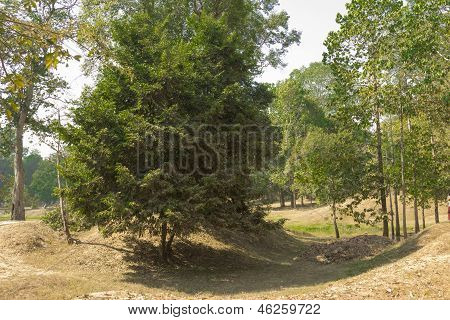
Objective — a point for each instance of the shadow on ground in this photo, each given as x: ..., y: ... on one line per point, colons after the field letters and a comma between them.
x: 246, y: 266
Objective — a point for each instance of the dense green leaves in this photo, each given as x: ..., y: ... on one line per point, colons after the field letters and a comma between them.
x: 174, y: 72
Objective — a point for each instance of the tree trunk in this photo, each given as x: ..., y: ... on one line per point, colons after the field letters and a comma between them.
x: 436, y: 197
x: 402, y: 162
x: 18, y: 197
x: 416, y: 210
x: 163, y: 243
x: 392, y: 213
x: 61, y: 200
x: 170, y: 243
x: 382, y: 189
x: 282, y: 201
x: 336, y: 229
x: 294, y: 200
x: 416, y: 217
x: 397, y: 216
x: 303, y: 201
x: 423, y: 216
x: 436, y: 210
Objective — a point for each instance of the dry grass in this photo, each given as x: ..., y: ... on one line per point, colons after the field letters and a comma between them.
x: 31, y: 214
x: 36, y: 263
x: 316, y: 220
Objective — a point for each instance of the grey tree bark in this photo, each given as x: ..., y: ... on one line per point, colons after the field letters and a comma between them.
x: 63, y: 212
x: 382, y: 187
x: 402, y: 163
x: 294, y: 200
x: 416, y: 211
x: 18, y: 196
x: 397, y: 216
x: 392, y: 213
x: 436, y: 197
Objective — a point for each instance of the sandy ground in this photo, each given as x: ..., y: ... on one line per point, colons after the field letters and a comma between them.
x: 36, y: 263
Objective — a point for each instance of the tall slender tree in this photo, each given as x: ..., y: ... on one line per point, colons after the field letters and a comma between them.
x: 356, y: 53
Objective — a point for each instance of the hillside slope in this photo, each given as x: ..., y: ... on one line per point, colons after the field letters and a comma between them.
x: 36, y: 263
x: 417, y: 269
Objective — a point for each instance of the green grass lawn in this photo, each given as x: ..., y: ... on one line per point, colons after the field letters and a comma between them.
x: 7, y: 217
x: 327, y: 229
x: 345, y: 229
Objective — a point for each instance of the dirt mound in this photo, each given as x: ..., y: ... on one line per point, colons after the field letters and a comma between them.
x: 344, y: 250
x: 413, y: 269
x: 26, y: 237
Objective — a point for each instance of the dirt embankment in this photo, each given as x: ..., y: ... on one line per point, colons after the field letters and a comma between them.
x: 36, y: 263
x: 359, y: 247
x: 415, y: 269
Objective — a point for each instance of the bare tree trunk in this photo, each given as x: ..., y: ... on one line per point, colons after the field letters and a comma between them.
x: 18, y: 197
x: 170, y: 243
x: 336, y: 229
x: 416, y: 211
x: 303, y: 201
x: 163, y: 243
x: 436, y: 210
x: 64, y: 219
x: 402, y: 162
x: 294, y: 200
x: 392, y: 213
x: 423, y: 216
x: 382, y: 189
x: 282, y: 201
x: 416, y: 217
x: 397, y: 216
x: 436, y: 197
x: 18, y: 205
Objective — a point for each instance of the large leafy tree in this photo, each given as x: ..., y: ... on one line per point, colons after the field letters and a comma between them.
x: 335, y: 166
x: 31, y: 37
x: 302, y: 103
x: 170, y: 66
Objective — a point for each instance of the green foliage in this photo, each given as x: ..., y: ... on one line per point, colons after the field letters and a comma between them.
x: 334, y: 164
x: 31, y: 163
x: 301, y: 104
x: 6, y: 140
x: 44, y: 183
x: 53, y: 219
x: 32, y: 33
x: 168, y: 69
x: 6, y: 180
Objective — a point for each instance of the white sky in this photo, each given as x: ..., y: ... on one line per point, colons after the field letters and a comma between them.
x: 314, y: 18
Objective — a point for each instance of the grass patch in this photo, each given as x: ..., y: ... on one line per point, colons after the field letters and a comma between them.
x: 7, y: 217
x: 327, y: 229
